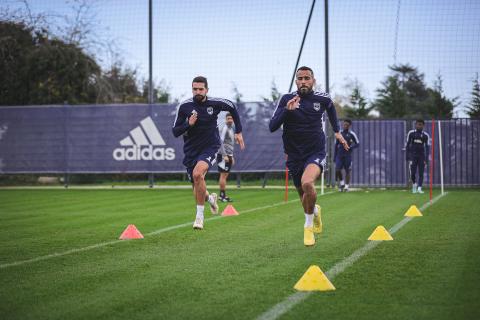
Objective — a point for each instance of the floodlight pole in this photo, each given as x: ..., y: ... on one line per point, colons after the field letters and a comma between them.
x: 327, y: 82
x: 150, y: 72
x: 66, y: 176
x: 327, y: 62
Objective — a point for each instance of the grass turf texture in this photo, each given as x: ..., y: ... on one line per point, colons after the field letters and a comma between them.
x: 238, y: 267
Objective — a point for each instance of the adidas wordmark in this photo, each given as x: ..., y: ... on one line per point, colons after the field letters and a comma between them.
x: 144, y: 143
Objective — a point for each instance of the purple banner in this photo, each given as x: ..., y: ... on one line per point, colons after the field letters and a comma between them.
x: 118, y: 138
x: 138, y: 138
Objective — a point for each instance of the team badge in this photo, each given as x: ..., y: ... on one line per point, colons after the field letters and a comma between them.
x: 316, y: 106
x: 210, y: 110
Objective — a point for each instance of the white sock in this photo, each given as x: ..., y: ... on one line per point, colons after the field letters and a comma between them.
x: 346, y: 186
x: 419, y: 189
x: 200, y: 211
x: 342, y: 182
x: 315, y: 211
x: 308, y: 220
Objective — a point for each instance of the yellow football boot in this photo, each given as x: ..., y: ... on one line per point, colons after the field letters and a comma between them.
x: 308, y: 237
x: 317, y: 220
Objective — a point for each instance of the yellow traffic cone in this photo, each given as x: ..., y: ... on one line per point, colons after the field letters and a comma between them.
x: 380, y: 234
x: 314, y: 280
x: 413, y: 212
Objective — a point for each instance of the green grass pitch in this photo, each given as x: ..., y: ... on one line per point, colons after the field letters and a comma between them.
x: 238, y: 267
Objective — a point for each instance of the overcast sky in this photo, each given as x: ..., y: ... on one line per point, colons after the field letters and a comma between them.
x: 251, y: 42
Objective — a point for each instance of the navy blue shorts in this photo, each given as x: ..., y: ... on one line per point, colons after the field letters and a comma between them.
x: 343, y: 163
x: 297, y: 167
x: 208, y: 155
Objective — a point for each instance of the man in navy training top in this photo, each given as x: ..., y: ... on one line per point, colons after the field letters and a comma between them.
x: 196, y: 120
x: 300, y: 113
x: 418, y: 149
x: 343, y: 158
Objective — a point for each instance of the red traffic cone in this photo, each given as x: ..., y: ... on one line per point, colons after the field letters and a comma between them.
x: 131, y: 232
x: 229, y: 211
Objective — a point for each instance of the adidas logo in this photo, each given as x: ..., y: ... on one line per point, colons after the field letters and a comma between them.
x: 142, y: 144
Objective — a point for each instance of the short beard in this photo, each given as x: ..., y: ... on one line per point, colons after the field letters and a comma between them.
x: 303, y: 91
x: 198, y: 97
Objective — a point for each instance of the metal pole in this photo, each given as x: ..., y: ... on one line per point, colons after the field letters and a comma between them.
x: 66, y: 176
x: 239, y: 179
x: 440, y: 154
x: 432, y: 164
x: 286, y: 180
x: 150, y: 63
x: 322, y: 191
x: 150, y: 72
x: 324, y: 128
x: 327, y: 63
x: 327, y: 78
x: 301, y: 46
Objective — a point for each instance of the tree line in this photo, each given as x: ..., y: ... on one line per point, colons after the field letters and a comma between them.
x: 404, y: 94
x: 39, y: 69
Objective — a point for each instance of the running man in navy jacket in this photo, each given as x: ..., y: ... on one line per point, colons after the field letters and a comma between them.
x: 196, y: 120
x: 300, y: 113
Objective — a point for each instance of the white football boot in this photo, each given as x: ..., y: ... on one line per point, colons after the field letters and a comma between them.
x: 213, y: 201
x: 198, y: 224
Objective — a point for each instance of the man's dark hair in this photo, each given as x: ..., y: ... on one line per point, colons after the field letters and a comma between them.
x: 304, y: 68
x: 420, y: 121
x: 201, y: 80
x: 348, y: 121
x: 228, y: 114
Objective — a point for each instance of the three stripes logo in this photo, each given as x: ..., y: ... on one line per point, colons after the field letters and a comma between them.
x: 144, y: 143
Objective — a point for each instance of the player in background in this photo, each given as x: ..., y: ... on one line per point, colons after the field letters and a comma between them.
x: 196, y: 120
x: 300, y: 113
x: 343, y: 158
x: 225, y: 159
x: 418, y: 150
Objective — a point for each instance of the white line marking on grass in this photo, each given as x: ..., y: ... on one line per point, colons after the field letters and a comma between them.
x: 292, y: 300
x: 159, y: 231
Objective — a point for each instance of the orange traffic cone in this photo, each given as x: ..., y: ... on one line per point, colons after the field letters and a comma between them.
x: 131, y: 232
x: 229, y: 211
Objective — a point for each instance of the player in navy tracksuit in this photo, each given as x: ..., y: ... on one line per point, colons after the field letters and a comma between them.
x: 343, y: 158
x: 196, y: 120
x: 418, y: 149
x: 300, y: 113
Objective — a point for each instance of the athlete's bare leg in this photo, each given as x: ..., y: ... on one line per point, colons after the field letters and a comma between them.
x: 199, y: 185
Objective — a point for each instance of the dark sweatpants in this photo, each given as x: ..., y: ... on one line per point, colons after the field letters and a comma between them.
x: 417, y: 162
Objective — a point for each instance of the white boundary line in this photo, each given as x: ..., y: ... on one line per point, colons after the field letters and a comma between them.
x: 159, y: 231
x: 292, y: 300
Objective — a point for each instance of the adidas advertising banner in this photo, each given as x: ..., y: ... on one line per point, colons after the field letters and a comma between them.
x: 138, y: 138
x: 117, y: 138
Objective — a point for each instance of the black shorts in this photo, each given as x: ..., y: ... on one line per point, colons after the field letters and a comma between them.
x: 207, y: 155
x: 343, y: 162
x: 297, y: 167
x: 224, y: 166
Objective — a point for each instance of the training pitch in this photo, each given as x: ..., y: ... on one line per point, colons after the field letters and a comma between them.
x: 60, y: 257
